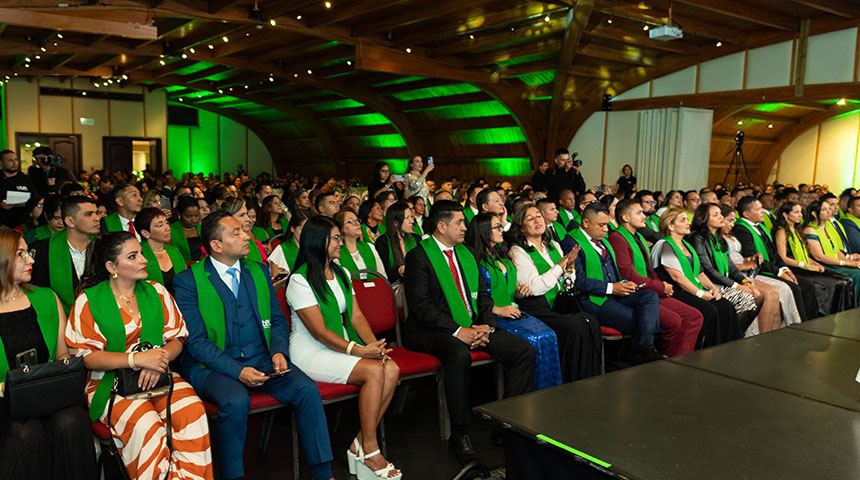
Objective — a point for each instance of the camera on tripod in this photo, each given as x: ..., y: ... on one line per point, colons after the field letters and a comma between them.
x: 739, y: 138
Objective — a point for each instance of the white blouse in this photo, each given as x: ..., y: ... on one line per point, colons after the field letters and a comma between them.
x: 527, y: 272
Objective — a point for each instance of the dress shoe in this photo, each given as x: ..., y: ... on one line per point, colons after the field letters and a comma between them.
x: 648, y: 354
x: 461, y: 447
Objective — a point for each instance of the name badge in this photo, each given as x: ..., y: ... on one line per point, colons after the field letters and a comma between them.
x: 267, y: 323
x: 474, y: 295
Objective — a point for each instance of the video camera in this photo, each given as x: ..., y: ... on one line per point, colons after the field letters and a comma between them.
x: 576, y: 162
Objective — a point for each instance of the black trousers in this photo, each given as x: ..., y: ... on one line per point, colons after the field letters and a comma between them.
x: 578, y: 337
x: 56, y: 446
x: 720, y: 319
x: 513, y: 352
x: 830, y: 292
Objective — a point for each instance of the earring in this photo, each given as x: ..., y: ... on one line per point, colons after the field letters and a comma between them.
x: 114, y: 276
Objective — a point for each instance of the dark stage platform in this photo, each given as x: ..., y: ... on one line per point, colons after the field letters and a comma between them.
x: 780, y: 405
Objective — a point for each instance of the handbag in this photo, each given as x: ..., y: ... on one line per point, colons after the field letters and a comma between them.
x: 126, y: 379
x: 37, y: 390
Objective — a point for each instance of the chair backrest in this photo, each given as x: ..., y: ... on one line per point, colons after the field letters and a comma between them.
x: 282, y: 299
x: 376, y: 300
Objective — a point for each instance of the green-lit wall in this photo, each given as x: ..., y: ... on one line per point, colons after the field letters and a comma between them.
x: 217, y: 145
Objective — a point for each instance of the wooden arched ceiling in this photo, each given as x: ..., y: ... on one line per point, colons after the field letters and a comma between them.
x: 489, y: 86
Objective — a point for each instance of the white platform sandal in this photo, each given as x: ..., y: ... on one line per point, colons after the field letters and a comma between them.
x: 366, y: 473
x: 353, y: 458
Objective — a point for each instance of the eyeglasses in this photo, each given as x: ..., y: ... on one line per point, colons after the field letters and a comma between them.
x: 650, y: 202
x: 352, y: 221
x: 336, y: 238
x: 40, y: 206
x: 24, y: 255
x: 499, y: 227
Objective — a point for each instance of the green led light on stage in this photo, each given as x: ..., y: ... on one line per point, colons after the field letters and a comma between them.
x: 491, y: 136
x: 339, y: 61
x: 547, y: 97
x: 536, y: 78
x: 489, y: 108
x: 360, y: 120
x: 434, y: 92
x: 324, y: 46
x: 852, y: 112
x: 391, y: 140
x: 572, y: 450
x: 336, y: 105
x: 343, y: 74
x: 397, y: 165
x: 772, y: 107
x: 397, y: 81
x: 194, y: 68
x: 508, y: 167
x: 527, y: 59
x: 217, y: 77
x: 174, y: 88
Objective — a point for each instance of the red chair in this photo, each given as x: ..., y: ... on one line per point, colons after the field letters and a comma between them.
x: 608, y: 334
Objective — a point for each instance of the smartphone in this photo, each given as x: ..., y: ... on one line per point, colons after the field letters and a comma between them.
x: 398, y: 178
x: 640, y: 286
x: 279, y: 374
x: 430, y: 160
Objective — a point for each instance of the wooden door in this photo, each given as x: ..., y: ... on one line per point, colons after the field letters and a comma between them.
x: 117, y: 154
x: 68, y: 147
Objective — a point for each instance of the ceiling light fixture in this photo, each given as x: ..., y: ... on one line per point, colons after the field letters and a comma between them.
x: 192, y: 50
x: 719, y: 44
x: 408, y: 50
x: 211, y: 47
x: 546, y: 19
x: 272, y: 22
x: 298, y: 17
x: 225, y: 39
x: 327, y: 4
x: 769, y: 125
x: 841, y: 101
x: 645, y: 27
x: 60, y: 36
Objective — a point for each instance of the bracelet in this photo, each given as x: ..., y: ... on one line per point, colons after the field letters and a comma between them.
x: 349, y: 347
x: 841, y: 262
x: 131, y: 360
x: 700, y: 293
x: 802, y: 264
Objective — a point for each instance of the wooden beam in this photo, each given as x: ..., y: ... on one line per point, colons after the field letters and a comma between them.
x: 745, y: 11
x: 172, y: 67
x: 448, y: 100
x: 577, y: 19
x: 216, y: 6
x: 345, y: 12
x: 213, y: 70
x: 639, y: 38
x: 770, y: 95
x: 461, y: 124
x: 626, y: 54
x: 849, y: 9
x: 382, y: 59
x: 412, y: 15
x: 32, y: 19
x: 768, y: 117
x: 543, y: 45
x: 464, y: 43
x: 623, y: 9
x: 800, y: 69
x: 58, y: 72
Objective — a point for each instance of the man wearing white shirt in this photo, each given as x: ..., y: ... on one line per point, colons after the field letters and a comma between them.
x: 128, y: 204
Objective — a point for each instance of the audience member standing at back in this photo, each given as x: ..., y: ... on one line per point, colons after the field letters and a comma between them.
x: 13, y: 213
x: 128, y: 202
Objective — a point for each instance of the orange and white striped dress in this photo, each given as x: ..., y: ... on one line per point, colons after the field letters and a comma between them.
x: 138, y: 424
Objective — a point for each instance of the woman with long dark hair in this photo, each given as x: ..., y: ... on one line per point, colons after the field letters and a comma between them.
x: 299, y: 200
x: 823, y: 249
x: 283, y: 257
x: 673, y: 199
x: 419, y: 208
x: 416, y: 178
x: 676, y: 262
x: 484, y: 237
x: 397, y: 241
x: 116, y: 312
x: 271, y: 221
x: 53, y: 446
x: 382, y: 180
x: 164, y: 261
x: 750, y: 300
x: 546, y: 272
x: 332, y: 342
x: 833, y: 291
x: 371, y: 217
x: 356, y: 254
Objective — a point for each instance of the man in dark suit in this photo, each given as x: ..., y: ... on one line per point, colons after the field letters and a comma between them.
x: 60, y: 258
x: 451, y: 313
x: 757, y: 242
x: 238, y: 342
x: 616, y: 302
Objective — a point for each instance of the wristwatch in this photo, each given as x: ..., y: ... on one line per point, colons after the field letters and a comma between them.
x: 492, y: 329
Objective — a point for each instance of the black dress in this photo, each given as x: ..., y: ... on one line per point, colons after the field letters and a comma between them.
x: 56, y: 446
x: 168, y: 279
x: 626, y: 185
x: 195, y: 244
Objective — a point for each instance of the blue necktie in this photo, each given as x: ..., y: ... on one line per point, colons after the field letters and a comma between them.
x: 234, y: 284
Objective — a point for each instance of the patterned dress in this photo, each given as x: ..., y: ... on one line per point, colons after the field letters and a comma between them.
x: 138, y: 424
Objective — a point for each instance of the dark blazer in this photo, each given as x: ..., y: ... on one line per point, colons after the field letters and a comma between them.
x: 591, y: 286
x: 428, y: 309
x: 41, y: 267
x: 748, y: 249
x: 382, y: 249
x: 702, y: 246
x: 198, y: 348
x: 624, y: 260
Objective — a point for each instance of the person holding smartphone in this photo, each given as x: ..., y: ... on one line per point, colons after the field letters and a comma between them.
x: 543, y: 269
x: 416, y: 178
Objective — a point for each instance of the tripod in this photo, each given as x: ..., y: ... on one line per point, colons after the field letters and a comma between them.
x: 737, y: 160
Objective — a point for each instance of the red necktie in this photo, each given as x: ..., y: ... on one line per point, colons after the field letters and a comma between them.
x: 456, y: 274
x: 600, y: 249
x: 131, y: 227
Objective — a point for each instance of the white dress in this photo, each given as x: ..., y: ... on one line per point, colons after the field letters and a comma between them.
x: 318, y: 361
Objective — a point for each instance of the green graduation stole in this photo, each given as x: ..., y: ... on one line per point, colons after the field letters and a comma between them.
x: 417, y: 229
x: 60, y: 269
x: 270, y: 232
x: 721, y: 258
x: 502, y: 285
x: 113, y: 223
x: 834, y: 235
x: 798, y: 248
x: 42, y: 232
x: 212, y: 307
x: 408, y: 242
x: 368, y: 236
x: 564, y: 216
x: 593, y: 262
x: 827, y: 245
x: 767, y: 221
x: 468, y: 213
x: 48, y: 316
x: 254, y: 253
x: 366, y: 254
x: 260, y: 233
x: 153, y: 269
x: 639, y: 263
x: 757, y: 241
x: 109, y: 319
x: 560, y: 230
x: 651, y: 222
x: 439, y: 262
x: 852, y: 218
x: 543, y: 267
x: 330, y: 310
x: 691, y: 274
x: 180, y: 241
x: 291, y: 251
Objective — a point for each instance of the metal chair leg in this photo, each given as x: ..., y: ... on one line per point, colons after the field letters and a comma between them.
x: 383, y: 445
x: 500, y: 381
x: 295, y: 427
x: 444, y: 418
x: 602, y: 357
x: 266, y: 431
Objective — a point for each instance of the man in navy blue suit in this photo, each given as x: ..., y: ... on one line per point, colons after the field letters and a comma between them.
x: 616, y: 302
x: 238, y: 342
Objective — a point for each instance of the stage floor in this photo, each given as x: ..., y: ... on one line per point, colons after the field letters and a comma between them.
x: 780, y: 405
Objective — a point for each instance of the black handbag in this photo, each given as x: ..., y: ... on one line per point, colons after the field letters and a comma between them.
x: 125, y: 381
x: 37, y: 390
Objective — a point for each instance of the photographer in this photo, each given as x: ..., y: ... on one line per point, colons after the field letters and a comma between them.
x: 565, y: 176
x: 14, y: 212
x: 46, y: 173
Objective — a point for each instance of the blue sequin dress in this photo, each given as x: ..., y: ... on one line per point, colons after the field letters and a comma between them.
x: 543, y: 338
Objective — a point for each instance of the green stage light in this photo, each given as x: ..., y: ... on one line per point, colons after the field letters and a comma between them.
x: 433, y: 92
x: 508, y: 167
x: 391, y: 140
x: 491, y: 136
x: 336, y: 105
x: 193, y: 68
x: 363, y: 120
x: 526, y: 59
x: 536, y: 78
x: 772, y: 107
x: 397, y: 165
x: 397, y: 81
x: 489, y: 108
